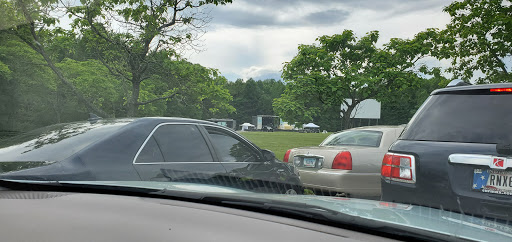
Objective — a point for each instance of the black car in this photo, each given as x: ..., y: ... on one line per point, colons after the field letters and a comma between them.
x: 146, y: 149
x: 455, y: 153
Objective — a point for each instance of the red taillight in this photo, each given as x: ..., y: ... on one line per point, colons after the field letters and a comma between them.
x: 286, y: 156
x: 398, y: 167
x: 386, y: 166
x: 501, y: 90
x: 343, y: 161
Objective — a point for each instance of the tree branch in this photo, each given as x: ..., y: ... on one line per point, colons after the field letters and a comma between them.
x: 173, y: 21
x: 40, y: 49
x: 156, y: 99
x: 111, y: 70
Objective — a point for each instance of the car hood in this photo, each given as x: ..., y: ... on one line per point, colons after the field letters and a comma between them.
x: 411, y: 216
x: 392, y: 215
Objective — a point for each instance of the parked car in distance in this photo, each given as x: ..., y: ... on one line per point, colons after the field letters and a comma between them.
x: 455, y: 153
x: 345, y: 163
x: 145, y: 149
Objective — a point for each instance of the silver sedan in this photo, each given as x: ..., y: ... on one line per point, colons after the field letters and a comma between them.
x: 346, y: 163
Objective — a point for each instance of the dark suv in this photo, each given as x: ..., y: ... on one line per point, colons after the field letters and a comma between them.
x: 455, y: 153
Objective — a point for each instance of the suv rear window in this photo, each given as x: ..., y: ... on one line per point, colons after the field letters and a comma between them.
x: 463, y: 118
x: 354, y: 137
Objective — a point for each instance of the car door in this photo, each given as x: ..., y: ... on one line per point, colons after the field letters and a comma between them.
x: 178, y: 153
x: 244, y: 163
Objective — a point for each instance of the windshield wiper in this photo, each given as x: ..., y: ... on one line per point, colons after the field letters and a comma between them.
x: 291, y: 208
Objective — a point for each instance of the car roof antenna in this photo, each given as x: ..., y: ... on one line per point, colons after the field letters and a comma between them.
x: 457, y: 82
x: 93, y: 118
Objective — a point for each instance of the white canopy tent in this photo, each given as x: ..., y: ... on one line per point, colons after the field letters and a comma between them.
x: 311, y: 125
x: 246, y: 126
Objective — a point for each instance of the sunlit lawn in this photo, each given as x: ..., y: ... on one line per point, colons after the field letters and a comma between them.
x: 280, y: 142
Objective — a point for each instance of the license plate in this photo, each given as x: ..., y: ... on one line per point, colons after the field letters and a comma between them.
x: 493, y: 181
x: 309, y: 162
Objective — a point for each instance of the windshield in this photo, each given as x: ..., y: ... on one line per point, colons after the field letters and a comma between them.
x: 360, y: 138
x: 304, y: 98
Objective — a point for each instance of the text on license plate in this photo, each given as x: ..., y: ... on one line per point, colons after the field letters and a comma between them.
x: 309, y: 162
x: 493, y: 181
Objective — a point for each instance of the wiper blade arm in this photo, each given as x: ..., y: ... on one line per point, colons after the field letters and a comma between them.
x: 304, y: 210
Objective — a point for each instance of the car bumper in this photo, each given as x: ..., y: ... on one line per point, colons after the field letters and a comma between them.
x: 479, y: 204
x: 341, y: 181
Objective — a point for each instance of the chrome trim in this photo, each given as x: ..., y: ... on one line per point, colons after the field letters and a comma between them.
x: 309, y: 156
x: 175, y: 123
x: 480, y: 160
x: 320, y: 163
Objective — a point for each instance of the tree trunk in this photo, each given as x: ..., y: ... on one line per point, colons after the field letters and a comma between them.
x: 133, y: 104
x: 346, y: 124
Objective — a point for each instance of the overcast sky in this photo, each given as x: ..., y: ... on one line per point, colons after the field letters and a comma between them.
x: 253, y: 38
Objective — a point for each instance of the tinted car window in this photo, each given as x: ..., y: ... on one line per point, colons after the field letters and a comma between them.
x: 463, y: 118
x: 354, y: 137
x: 150, y: 153
x: 230, y: 149
x: 180, y: 143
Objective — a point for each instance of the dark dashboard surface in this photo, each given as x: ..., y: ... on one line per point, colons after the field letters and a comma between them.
x: 57, y: 216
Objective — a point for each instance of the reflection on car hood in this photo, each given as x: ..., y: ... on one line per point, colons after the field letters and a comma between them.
x: 416, y: 217
x: 170, y: 186
x: 6, y: 166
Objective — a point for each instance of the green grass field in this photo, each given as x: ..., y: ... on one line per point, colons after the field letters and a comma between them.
x: 280, y: 142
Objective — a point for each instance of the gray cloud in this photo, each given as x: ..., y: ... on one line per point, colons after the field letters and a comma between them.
x: 243, y: 18
x: 268, y: 18
x: 331, y: 16
x: 277, y: 13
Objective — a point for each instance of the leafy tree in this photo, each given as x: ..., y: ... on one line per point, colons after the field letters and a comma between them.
x: 251, y: 98
x: 28, y: 89
x: 136, y: 29
x: 93, y: 79
x: 399, y: 107
x: 30, y: 20
x: 479, y: 38
x: 343, y: 67
x: 200, y: 91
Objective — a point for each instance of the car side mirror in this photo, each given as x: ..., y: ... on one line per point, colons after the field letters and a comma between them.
x: 268, y: 155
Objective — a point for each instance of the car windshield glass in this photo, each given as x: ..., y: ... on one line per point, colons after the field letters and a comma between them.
x: 463, y: 118
x: 312, y: 98
x: 358, y: 138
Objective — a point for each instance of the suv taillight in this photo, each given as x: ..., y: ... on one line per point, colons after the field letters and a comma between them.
x: 398, y: 167
x: 501, y: 90
x: 286, y: 156
x: 342, y: 161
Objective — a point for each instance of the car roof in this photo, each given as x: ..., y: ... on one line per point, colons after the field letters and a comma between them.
x: 174, y: 120
x: 471, y: 87
x: 376, y: 128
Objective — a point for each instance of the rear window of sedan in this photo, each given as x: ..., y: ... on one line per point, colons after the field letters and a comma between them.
x: 56, y: 142
x: 369, y: 138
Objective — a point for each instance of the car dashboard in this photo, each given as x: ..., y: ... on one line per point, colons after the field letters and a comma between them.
x: 68, y: 216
